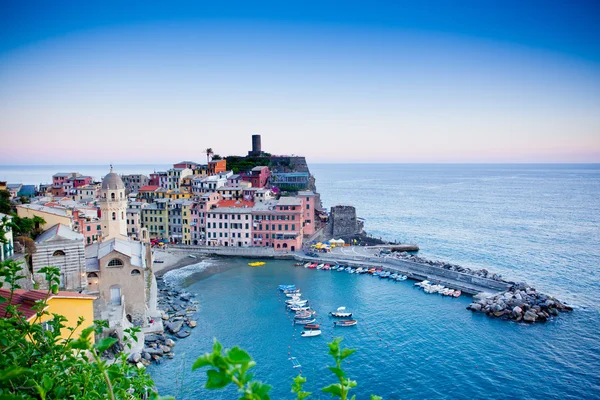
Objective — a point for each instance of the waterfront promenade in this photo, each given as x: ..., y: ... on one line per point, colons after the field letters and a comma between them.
x: 357, y: 256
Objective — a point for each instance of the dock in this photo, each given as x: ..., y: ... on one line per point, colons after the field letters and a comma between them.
x: 470, y: 284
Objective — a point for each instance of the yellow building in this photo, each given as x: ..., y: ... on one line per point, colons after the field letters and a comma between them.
x: 177, y: 194
x: 52, y: 215
x: 70, y: 305
x: 155, y: 217
x: 186, y: 222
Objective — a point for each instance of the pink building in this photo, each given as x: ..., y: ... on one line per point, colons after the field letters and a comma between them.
x: 278, y: 224
x: 81, y: 181
x: 60, y: 178
x: 230, y: 224
x: 308, y: 210
x: 199, y: 216
x: 258, y: 176
x: 87, y: 222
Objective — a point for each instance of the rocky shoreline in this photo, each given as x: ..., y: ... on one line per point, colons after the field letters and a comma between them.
x: 520, y: 302
x: 178, y: 311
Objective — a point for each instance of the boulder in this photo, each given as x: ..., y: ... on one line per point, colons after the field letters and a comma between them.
x: 474, y: 307
x: 169, y: 342
x: 153, y: 338
x: 174, y: 326
x: 185, y: 297
x: 183, y: 334
x: 153, y: 352
x: 530, y: 316
x: 134, y: 358
x: 517, y: 310
x: 180, y: 313
x: 192, y: 323
x: 146, y: 356
x: 165, y: 349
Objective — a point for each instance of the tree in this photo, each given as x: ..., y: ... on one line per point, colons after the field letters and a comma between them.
x: 5, y: 207
x: 216, y: 157
x: 209, y: 152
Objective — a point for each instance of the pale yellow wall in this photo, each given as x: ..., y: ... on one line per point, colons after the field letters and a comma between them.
x: 51, y: 219
x: 71, y: 309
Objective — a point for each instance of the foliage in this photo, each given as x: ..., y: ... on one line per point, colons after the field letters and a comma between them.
x: 36, y: 363
x: 5, y: 207
x: 239, y: 164
x: 232, y: 367
x: 216, y: 157
x: 209, y: 152
x: 31, y: 227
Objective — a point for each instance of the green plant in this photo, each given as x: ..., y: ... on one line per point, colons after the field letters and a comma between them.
x: 342, y: 388
x: 297, y: 387
x: 232, y: 367
x: 36, y: 362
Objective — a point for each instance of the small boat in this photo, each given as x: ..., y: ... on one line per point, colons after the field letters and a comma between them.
x: 450, y: 292
x: 304, y: 314
x: 312, y: 332
x: 295, y: 362
x: 359, y: 270
x: 296, y: 294
x: 307, y: 265
x: 311, y: 326
x: 192, y: 256
x: 283, y: 288
x: 312, y: 266
x: 257, y: 264
x: 456, y: 293
x: 298, y: 265
x: 394, y: 276
x: 352, y: 271
x: 341, y: 268
x: 304, y: 321
x: 320, y: 266
x: 401, y: 277
x: 326, y: 267
x: 385, y: 274
x: 297, y: 303
x: 346, y: 322
x: 371, y: 271
x: 293, y: 292
x: 341, y: 313
x: 299, y: 308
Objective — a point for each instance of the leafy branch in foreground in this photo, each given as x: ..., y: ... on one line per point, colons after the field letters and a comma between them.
x: 233, y: 365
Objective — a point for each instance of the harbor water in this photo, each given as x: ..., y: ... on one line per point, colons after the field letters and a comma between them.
x: 538, y: 223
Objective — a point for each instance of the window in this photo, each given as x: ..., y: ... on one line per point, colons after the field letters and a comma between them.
x: 58, y: 253
x: 308, y: 206
x: 247, y: 226
x: 286, y: 227
x: 279, y: 227
x: 88, y: 228
x: 293, y: 227
x: 115, y: 262
x: 136, y: 272
x: 98, y: 227
x: 112, y: 196
x: 114, y: 216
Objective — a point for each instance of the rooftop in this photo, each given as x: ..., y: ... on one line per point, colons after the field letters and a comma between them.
x: 289, y: 201
x: 59, y: 232
x: 25, y: 300
x: 50, y: 210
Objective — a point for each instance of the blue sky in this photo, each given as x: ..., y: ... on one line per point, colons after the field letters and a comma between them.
x: 466, y: 81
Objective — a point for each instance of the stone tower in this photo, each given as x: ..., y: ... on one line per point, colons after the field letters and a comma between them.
x: 113, y: 206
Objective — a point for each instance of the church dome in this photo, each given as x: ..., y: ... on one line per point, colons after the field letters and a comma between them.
x: 112, y: 181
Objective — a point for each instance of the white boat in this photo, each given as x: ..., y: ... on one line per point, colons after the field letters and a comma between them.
x: 192, y: 256
x: 450, y: 292
x: 309, y: 333
x: 341, y: 312
x: 422, y: 284
x: 401, y: 277
x: 299, y: 308
x: 352, y: 271
x: 305, y: 314
x: 304, y: 321
x: 359, y: 270
x: 293, y: 295
x: 394, y: 276
x: 307, y: 264
x: 320, y: 266
x: 299, y: 303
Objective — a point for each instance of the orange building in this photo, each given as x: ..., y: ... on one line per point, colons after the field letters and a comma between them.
x: 216, y: 166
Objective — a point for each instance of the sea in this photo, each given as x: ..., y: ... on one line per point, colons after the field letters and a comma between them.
x: 529, y: 222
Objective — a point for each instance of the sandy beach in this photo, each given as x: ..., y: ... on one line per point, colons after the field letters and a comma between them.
x: 172, y: 260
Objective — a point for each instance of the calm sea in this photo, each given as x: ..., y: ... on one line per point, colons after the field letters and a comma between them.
x: 538, y: 223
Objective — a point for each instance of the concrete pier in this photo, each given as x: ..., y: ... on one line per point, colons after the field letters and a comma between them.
x: 470, y: 284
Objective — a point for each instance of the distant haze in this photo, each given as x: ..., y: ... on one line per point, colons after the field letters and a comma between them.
x: 143, y: 83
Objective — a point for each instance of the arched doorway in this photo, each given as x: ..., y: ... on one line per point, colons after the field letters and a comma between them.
x: 285, y: 245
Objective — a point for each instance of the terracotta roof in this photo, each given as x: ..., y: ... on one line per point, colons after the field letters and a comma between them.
x: 235, y: 203
x: 148, y: 188
x: 25, y: 300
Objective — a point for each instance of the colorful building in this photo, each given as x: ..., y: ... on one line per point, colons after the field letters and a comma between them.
x: 155, y: 217
x: 258, y: 176
x: 216, y: 166
x: 278, y: 224
x: 309, y: 211
x: 230, y: 224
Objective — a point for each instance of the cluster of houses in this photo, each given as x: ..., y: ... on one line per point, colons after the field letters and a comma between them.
x: 100, y: 234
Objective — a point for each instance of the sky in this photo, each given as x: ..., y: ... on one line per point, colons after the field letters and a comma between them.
x: 336, y: 81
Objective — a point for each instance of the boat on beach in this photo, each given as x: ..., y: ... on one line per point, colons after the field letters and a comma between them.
x: 340, y: 313
x: 310, y: 333
x: 346, y: 322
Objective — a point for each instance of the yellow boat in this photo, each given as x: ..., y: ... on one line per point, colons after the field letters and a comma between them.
x: 257, y: 264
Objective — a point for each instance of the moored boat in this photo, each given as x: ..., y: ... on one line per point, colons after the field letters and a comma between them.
x: 327, y: 267
x: 341, y: 313
x: 394, y: 276
x: 401, y: 277
x: 298, y: 264
x: 257, y: 264
x: 299, y: 308
x: 320, y: 266
x: 304, y: 321
x: 307, y: 264
x: 304, y: 314
x: 296, y: 303
x: 296, y: 294
x: 346, y: 322
x: 311, y: 326
x: 310, y: 333
x: 456, y: 293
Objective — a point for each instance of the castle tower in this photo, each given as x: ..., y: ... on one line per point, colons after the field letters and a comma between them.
x: 113, y: 206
